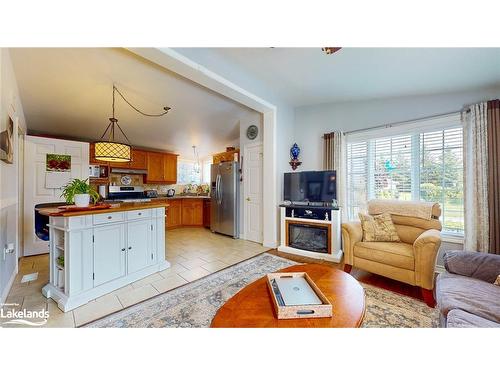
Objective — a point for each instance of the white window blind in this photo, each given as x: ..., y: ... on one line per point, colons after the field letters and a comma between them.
x: 424, y: 164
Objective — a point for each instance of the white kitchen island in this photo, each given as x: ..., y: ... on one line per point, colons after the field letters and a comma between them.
x: 103, y: 250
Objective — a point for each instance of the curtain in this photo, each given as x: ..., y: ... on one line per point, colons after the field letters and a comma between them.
x: 493, y: 126
x: 476, y: 228
x: 334, y: 159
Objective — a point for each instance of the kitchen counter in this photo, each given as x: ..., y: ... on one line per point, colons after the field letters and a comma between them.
x: 115, y: 207
x: 184, y: 197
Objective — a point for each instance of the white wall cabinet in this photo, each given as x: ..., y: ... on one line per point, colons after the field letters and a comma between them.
x: 102, y: 253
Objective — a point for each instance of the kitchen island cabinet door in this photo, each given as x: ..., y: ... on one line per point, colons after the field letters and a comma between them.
x: 138, y: 245
x: 109, y: 253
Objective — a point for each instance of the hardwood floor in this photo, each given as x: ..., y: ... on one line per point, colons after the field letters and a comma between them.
x: 360, y: 275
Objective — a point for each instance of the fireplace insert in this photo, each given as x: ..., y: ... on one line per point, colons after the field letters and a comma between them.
x: 313, y: 237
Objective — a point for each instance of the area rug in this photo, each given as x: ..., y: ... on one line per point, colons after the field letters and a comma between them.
x: 196, y: 303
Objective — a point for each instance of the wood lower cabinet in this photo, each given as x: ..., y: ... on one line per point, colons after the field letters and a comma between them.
x: 174, y: 213
x: 206, y: 213
x: 187, y: 212
x: 192, y: 212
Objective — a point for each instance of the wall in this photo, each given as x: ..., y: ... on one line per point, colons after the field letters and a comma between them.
x: 10, y: 105
x: 284, y: 111
x: 311, y: 122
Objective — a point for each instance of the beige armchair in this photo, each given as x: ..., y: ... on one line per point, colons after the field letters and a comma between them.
x: 411, y: 261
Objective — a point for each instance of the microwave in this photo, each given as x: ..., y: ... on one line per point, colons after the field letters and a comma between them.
x: 95, y: 171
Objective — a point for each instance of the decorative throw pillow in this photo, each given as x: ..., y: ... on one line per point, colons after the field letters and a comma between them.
x: 378, y: 228
x: 497, y: 281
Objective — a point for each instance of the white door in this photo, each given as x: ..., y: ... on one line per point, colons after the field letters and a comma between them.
x: 252, y: 194
x: 35, y: 191
x: 109, y: 253
x: 139, y: 253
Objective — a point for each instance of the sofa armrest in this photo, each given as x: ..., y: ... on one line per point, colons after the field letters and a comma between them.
x: 480, y: 266
x: 425, y: 248
x: 351, y: 234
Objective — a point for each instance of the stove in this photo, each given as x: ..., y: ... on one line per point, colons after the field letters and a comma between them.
x: 127, y: 194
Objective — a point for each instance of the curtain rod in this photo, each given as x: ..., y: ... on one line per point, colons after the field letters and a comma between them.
x: 404, y: 122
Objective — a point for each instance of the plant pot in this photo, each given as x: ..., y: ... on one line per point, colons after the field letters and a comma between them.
x: 82, y: 200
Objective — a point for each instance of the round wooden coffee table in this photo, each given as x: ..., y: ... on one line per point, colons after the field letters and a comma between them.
x: 252, y: 306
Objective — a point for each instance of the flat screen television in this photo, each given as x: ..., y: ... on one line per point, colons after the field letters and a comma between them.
x: 311, y: 186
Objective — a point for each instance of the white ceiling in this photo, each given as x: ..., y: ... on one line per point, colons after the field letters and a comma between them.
x: 306, y: 76
x: 67, y: 92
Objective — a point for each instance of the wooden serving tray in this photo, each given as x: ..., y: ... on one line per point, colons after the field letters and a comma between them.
x: 73, y: 208
x: 325, y: 310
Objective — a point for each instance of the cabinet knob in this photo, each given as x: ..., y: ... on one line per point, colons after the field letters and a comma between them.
x: 110, y: 217
x: 123, y: 249
x: 130, y: 247
x: 140, y: 213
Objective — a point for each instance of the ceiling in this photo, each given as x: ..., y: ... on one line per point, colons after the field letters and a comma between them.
x: 306, y: 76
x: 67, y: 92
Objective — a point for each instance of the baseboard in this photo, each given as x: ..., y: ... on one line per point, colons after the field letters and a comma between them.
x: 6, y: 291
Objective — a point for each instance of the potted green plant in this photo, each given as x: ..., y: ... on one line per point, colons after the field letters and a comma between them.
x: 79, y: 192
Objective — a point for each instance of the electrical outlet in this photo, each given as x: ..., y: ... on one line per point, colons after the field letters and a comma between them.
x: 8, y: 249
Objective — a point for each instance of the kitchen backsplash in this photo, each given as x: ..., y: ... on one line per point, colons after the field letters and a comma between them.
x: 137, y: 180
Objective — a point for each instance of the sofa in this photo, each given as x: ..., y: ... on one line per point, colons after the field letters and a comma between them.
x: 412, y: 260
x: 466, y: 294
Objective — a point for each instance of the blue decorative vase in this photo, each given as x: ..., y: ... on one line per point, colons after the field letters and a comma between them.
x: 295, y: 151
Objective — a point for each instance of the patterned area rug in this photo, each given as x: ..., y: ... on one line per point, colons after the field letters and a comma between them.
x: 196, y: 303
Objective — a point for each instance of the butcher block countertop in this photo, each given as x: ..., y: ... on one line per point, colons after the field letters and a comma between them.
x: 115, y: 207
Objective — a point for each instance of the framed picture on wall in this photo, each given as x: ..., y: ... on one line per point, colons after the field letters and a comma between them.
x: 7, y: 143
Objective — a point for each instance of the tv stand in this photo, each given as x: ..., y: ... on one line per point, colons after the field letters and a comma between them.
x: 311, y: 231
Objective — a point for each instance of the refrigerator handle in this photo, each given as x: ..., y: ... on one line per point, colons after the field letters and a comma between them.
x: 217, y: 189
x: 220, y: 189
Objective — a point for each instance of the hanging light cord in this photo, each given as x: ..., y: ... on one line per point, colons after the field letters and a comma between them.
x: 166, y: 109
x: 114, y: 121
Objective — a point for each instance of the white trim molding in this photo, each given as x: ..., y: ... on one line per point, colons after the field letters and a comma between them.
x: 178, y: 63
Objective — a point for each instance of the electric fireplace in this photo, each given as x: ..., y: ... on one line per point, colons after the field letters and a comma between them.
x: 309, y: 236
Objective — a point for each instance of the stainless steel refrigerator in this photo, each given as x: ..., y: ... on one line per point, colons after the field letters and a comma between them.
x: 224, y: 193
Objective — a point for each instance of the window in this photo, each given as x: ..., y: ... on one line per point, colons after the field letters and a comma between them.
x: 186, y: 173
x: 206, y: 170
x: 424, y: 164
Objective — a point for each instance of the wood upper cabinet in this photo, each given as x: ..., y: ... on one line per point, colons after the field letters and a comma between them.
x: 139, y: 159
x: 174, y: 213
x: 170, y: 167
x: 225, y: 156
x: 161, y: 167
x: 155, y: 167
x: 192, y: 212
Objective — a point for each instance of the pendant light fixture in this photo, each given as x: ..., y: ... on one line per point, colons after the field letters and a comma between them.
x: 196, y: 166
x: 107, y: 148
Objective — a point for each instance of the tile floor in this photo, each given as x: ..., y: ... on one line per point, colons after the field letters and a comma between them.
x: 192, y: 252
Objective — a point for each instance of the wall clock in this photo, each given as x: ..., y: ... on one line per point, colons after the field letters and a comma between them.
x: 252, y: 132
